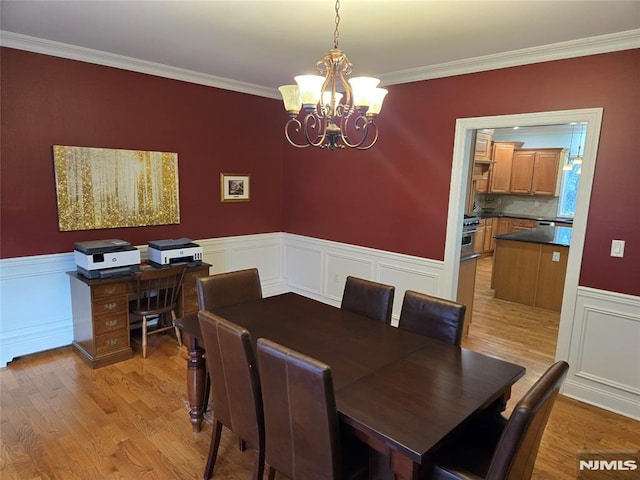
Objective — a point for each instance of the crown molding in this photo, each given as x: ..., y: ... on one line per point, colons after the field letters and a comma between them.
x: 576, y: 48
x: 73, y: 52
x: 613, y: 42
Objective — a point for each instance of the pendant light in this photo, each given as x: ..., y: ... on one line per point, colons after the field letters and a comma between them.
x: 568, y: 166
x: 578, y: 159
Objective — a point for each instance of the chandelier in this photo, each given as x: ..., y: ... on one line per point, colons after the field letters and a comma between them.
x: 326, y: 110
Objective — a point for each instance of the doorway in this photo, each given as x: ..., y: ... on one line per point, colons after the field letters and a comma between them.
x: 465, y: 128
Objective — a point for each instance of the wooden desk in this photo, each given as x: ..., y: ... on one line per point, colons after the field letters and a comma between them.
x: 401, y: 393
x: 101, y: 314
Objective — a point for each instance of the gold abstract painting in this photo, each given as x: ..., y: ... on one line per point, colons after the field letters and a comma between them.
x: 110, y: 188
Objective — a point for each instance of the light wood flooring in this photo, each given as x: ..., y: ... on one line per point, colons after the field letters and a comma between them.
x: 61, y: 420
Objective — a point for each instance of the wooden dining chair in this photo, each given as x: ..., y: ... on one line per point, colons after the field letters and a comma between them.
x: 432, y: 317
x: 302, y: 432
x: 369, y: 299
x: 157, y: 294
x: 231, y: 288
x: 237, y: 398
x: 491, y: 447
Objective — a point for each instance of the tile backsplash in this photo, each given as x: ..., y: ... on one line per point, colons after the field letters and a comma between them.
x: 517, y: 204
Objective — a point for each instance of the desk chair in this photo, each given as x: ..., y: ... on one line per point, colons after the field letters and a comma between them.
x: 237, y: 399
x: 493, y: 448
x: 229, y: 288
x: 302, y: 432
x: 432, y: 317
x: 369, y: 299
x: 157, y: 293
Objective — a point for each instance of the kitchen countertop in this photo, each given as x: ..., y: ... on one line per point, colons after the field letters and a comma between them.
x: 529, y: 217
x: 546, y: 235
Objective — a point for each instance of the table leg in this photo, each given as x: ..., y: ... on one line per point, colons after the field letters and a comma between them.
x: 196, y: 382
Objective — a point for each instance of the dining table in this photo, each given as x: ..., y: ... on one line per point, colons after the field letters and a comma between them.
x: 399, y: 392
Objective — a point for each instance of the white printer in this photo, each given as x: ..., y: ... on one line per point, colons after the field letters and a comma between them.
x: 171, y: 251
x: 106, y: 258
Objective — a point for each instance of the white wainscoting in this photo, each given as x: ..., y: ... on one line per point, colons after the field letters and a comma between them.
x: 318, y: 269
x: 604, y: 355
x: 35, y: 312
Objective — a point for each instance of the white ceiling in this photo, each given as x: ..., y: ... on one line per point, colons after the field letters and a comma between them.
x: 260, y: 45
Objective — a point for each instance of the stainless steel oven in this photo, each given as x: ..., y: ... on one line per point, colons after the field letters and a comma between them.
x: 469, y: 229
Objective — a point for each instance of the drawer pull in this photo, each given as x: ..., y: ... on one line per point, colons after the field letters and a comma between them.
x: 111, y: 323
x: 110, y: 306
x: 110, y: 290
x: 112, y: 342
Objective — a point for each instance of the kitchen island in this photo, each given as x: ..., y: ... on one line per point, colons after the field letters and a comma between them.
x: 529, y: 266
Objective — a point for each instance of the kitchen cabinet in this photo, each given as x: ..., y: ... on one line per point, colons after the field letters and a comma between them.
x: 482, y: 159
x: 482, y: 184
x: 504, y: 225
x: 500, y: 171
x: 519, y: 224
x: 466, y: 289
x: 489, y: 234
x: 527, y: 273
x: 484, y: 242
x: 535, y: 171
x: 478, y: 246
x: 482, y: 150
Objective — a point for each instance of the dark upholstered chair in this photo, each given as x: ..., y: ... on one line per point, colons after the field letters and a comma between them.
x: 432, y: 317
x: 369, y: 299
x: 157, y: 294
x: 493, y: 448
x: 237, y: 398
x: 303, y: 436
x: 229, y: 288
x: 224, y: 289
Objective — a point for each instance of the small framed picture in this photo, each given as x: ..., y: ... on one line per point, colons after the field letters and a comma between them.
x: 234, y: 187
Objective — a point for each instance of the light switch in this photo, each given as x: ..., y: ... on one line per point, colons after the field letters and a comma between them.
x: 555, y: 257
x: 617, y: 248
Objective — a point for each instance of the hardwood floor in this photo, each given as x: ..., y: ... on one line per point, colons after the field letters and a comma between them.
x: 527, y: 336
x: 61, y: 420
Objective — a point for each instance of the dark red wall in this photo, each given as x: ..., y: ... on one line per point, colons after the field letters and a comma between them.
x: 395, y: 196
x: 48, y: 100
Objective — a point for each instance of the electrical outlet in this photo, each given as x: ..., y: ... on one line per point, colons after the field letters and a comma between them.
x: 617, y: 248
x: 555, y: 257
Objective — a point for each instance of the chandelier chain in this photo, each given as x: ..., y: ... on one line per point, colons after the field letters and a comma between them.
x: 336, y: 34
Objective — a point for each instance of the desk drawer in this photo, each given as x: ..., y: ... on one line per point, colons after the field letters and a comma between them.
x: 108, y: 290
x: 109, y: 305
x: 112, y: 342
x: 191, y: 275
x: 110, y: 323
x: 190, y: 305
x: 189, y: 290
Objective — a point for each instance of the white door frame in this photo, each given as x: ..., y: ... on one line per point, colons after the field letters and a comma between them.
x: 462, y: 148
